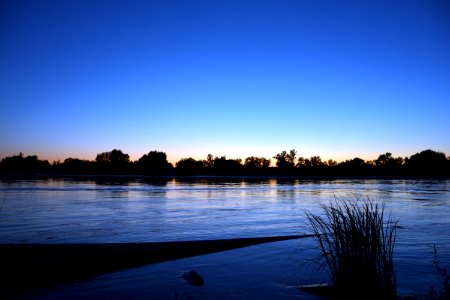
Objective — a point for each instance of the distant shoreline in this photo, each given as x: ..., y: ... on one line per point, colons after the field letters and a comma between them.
x: 215, y: 177
x: 427, y: 163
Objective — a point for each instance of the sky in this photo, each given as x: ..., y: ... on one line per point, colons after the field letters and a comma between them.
x: 338, y: 79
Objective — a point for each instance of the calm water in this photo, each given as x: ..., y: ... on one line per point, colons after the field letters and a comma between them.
x: 73, y: 211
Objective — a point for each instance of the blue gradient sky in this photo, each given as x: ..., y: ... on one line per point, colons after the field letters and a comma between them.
x: 337, y: 79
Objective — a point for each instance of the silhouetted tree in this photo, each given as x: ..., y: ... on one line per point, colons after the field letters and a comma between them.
x: 73, y: 166
x: 18, y: 164
x: 114, y: 161
x: 154, y: 163
x: 331, y: 163
x: 189, y: 166
x: 209, y: 161
x: 286, y: 160
x: 224, y: 166
x: 316, y: 162
x: 303, y: 162
x: 355, y: 166
x: 291, y: 157
x: 256, y: 165
x: 312, y: 166
x: 281, y: 159
x: 388, y: 165
x: 254, y: 162
x: 383, y: 159
x: 428, y: 163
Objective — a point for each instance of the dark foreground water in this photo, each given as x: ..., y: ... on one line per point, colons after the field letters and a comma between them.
x: 73, y: 211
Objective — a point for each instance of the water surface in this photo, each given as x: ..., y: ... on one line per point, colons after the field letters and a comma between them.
x: 78, y: 211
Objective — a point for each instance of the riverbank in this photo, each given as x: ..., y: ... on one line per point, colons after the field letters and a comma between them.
x: 31, y: 266
x: 129, y: 177
x: 264, y: 271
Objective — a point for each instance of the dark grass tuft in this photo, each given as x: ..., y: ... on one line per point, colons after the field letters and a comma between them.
x: 357, y: 240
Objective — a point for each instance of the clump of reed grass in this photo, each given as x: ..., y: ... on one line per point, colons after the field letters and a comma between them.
x: 444, y: 292
x: 357, y: 239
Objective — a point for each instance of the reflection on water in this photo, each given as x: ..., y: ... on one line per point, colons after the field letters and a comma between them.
x: 73, y: 211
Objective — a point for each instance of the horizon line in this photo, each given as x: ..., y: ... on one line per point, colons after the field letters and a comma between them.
x: 134, y: 157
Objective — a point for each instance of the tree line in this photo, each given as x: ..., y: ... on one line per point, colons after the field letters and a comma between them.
x: 115, y: 162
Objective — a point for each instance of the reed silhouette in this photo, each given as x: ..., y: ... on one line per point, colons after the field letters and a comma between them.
x: 356, y: 240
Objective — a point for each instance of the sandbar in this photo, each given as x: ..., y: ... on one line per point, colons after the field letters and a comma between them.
x: 31, y: 266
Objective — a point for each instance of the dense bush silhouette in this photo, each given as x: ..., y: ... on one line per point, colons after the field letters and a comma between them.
x: 427, y: 162
x: 189, y: 166
x: 74, y: 166
x: 115, y: 162
x: 388, y: 165
x: 314, y: 166
x: 257, y: 166
x: 355, y: 166
x: 154, y: 163
x: 224, y: 166
x: 254, y: 162
x: 18, y: 164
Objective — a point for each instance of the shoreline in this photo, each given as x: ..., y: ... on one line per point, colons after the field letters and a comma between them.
x: 33, y: 266
x: 125, y: 177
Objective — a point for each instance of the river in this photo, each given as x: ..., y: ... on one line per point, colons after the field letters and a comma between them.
x: 143, y: 210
